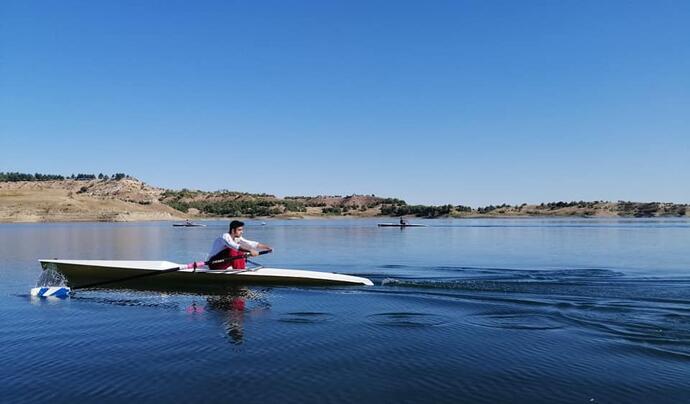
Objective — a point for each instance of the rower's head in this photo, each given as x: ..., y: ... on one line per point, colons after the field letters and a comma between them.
x: 236, y: 228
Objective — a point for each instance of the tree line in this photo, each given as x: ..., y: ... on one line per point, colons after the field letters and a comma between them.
x: 220, y: 204
x: 17, y: 176
x: 238, y: 208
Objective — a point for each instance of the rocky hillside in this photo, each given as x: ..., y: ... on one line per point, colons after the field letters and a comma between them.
x: 126, y: 199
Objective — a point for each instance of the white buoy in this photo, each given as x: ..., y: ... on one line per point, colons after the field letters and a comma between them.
x: 52, y: 291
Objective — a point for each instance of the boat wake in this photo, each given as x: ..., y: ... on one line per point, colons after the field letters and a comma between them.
x: 646, y: 313
x: 408, y: 319
x: 306, y: 317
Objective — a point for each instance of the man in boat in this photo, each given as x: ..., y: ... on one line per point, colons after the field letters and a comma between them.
x: 232, y: 244
x: 403, y: 222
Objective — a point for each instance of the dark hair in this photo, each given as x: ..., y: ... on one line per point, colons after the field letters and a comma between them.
x: 235, y: 224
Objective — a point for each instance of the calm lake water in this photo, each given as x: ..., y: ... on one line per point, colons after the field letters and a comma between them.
x: 528, y: 310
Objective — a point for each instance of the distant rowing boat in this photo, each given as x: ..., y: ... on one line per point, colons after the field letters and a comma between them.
x: 188, y: 225
x: 136, y: 273
x: 400, y: 225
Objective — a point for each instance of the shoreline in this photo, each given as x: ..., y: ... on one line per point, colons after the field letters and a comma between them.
x: 310, y: 218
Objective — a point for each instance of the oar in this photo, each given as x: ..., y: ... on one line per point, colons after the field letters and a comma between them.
x: 63, y: 291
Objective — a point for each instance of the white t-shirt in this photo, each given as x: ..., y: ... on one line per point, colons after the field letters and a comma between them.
x: 225, y: 240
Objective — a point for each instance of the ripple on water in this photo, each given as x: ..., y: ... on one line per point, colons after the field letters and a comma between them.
x: 515, y: 321
x: 408, y: 319
x: 647, y: 325
x: 306, y: 317
x: 128, y: 302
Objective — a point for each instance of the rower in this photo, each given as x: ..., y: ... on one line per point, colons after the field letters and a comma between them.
x: 232, y: 244
x: 403, y: 222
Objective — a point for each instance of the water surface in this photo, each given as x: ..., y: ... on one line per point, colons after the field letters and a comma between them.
x: 490, y: 310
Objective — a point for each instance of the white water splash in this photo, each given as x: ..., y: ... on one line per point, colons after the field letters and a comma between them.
x: 50, y: 277
x: 389, y: 281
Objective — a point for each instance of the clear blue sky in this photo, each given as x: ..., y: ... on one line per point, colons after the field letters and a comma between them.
x: 464, y: 102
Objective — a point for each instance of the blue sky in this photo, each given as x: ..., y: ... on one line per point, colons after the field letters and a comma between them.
x: 463, y: 102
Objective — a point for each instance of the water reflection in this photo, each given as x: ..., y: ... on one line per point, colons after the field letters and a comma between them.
x: 233, y: 308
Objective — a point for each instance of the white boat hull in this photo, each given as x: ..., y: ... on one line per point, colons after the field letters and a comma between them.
x: 82, y: 272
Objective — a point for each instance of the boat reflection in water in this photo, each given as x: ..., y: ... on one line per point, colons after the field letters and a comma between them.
x: 232, y: 308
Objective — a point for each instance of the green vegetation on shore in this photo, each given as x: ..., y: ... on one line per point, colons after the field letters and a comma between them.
x: 416, y: 210
x: 224, y: 203
x: 228, y: 203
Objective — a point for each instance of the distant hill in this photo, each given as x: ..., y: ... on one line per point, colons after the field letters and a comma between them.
x: 110, y: 200
x: 229, y: 203
x: 124, y: 198
x: 589, y: 209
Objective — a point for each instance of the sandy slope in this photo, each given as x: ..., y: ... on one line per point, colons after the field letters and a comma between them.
x: 70, y: 200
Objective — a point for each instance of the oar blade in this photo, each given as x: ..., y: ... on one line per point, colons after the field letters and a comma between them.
x: 51, y: 291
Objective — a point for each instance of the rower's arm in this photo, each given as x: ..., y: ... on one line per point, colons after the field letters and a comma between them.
x: 264, y: 246
x: 260, y: 246
x: 253, y: 247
